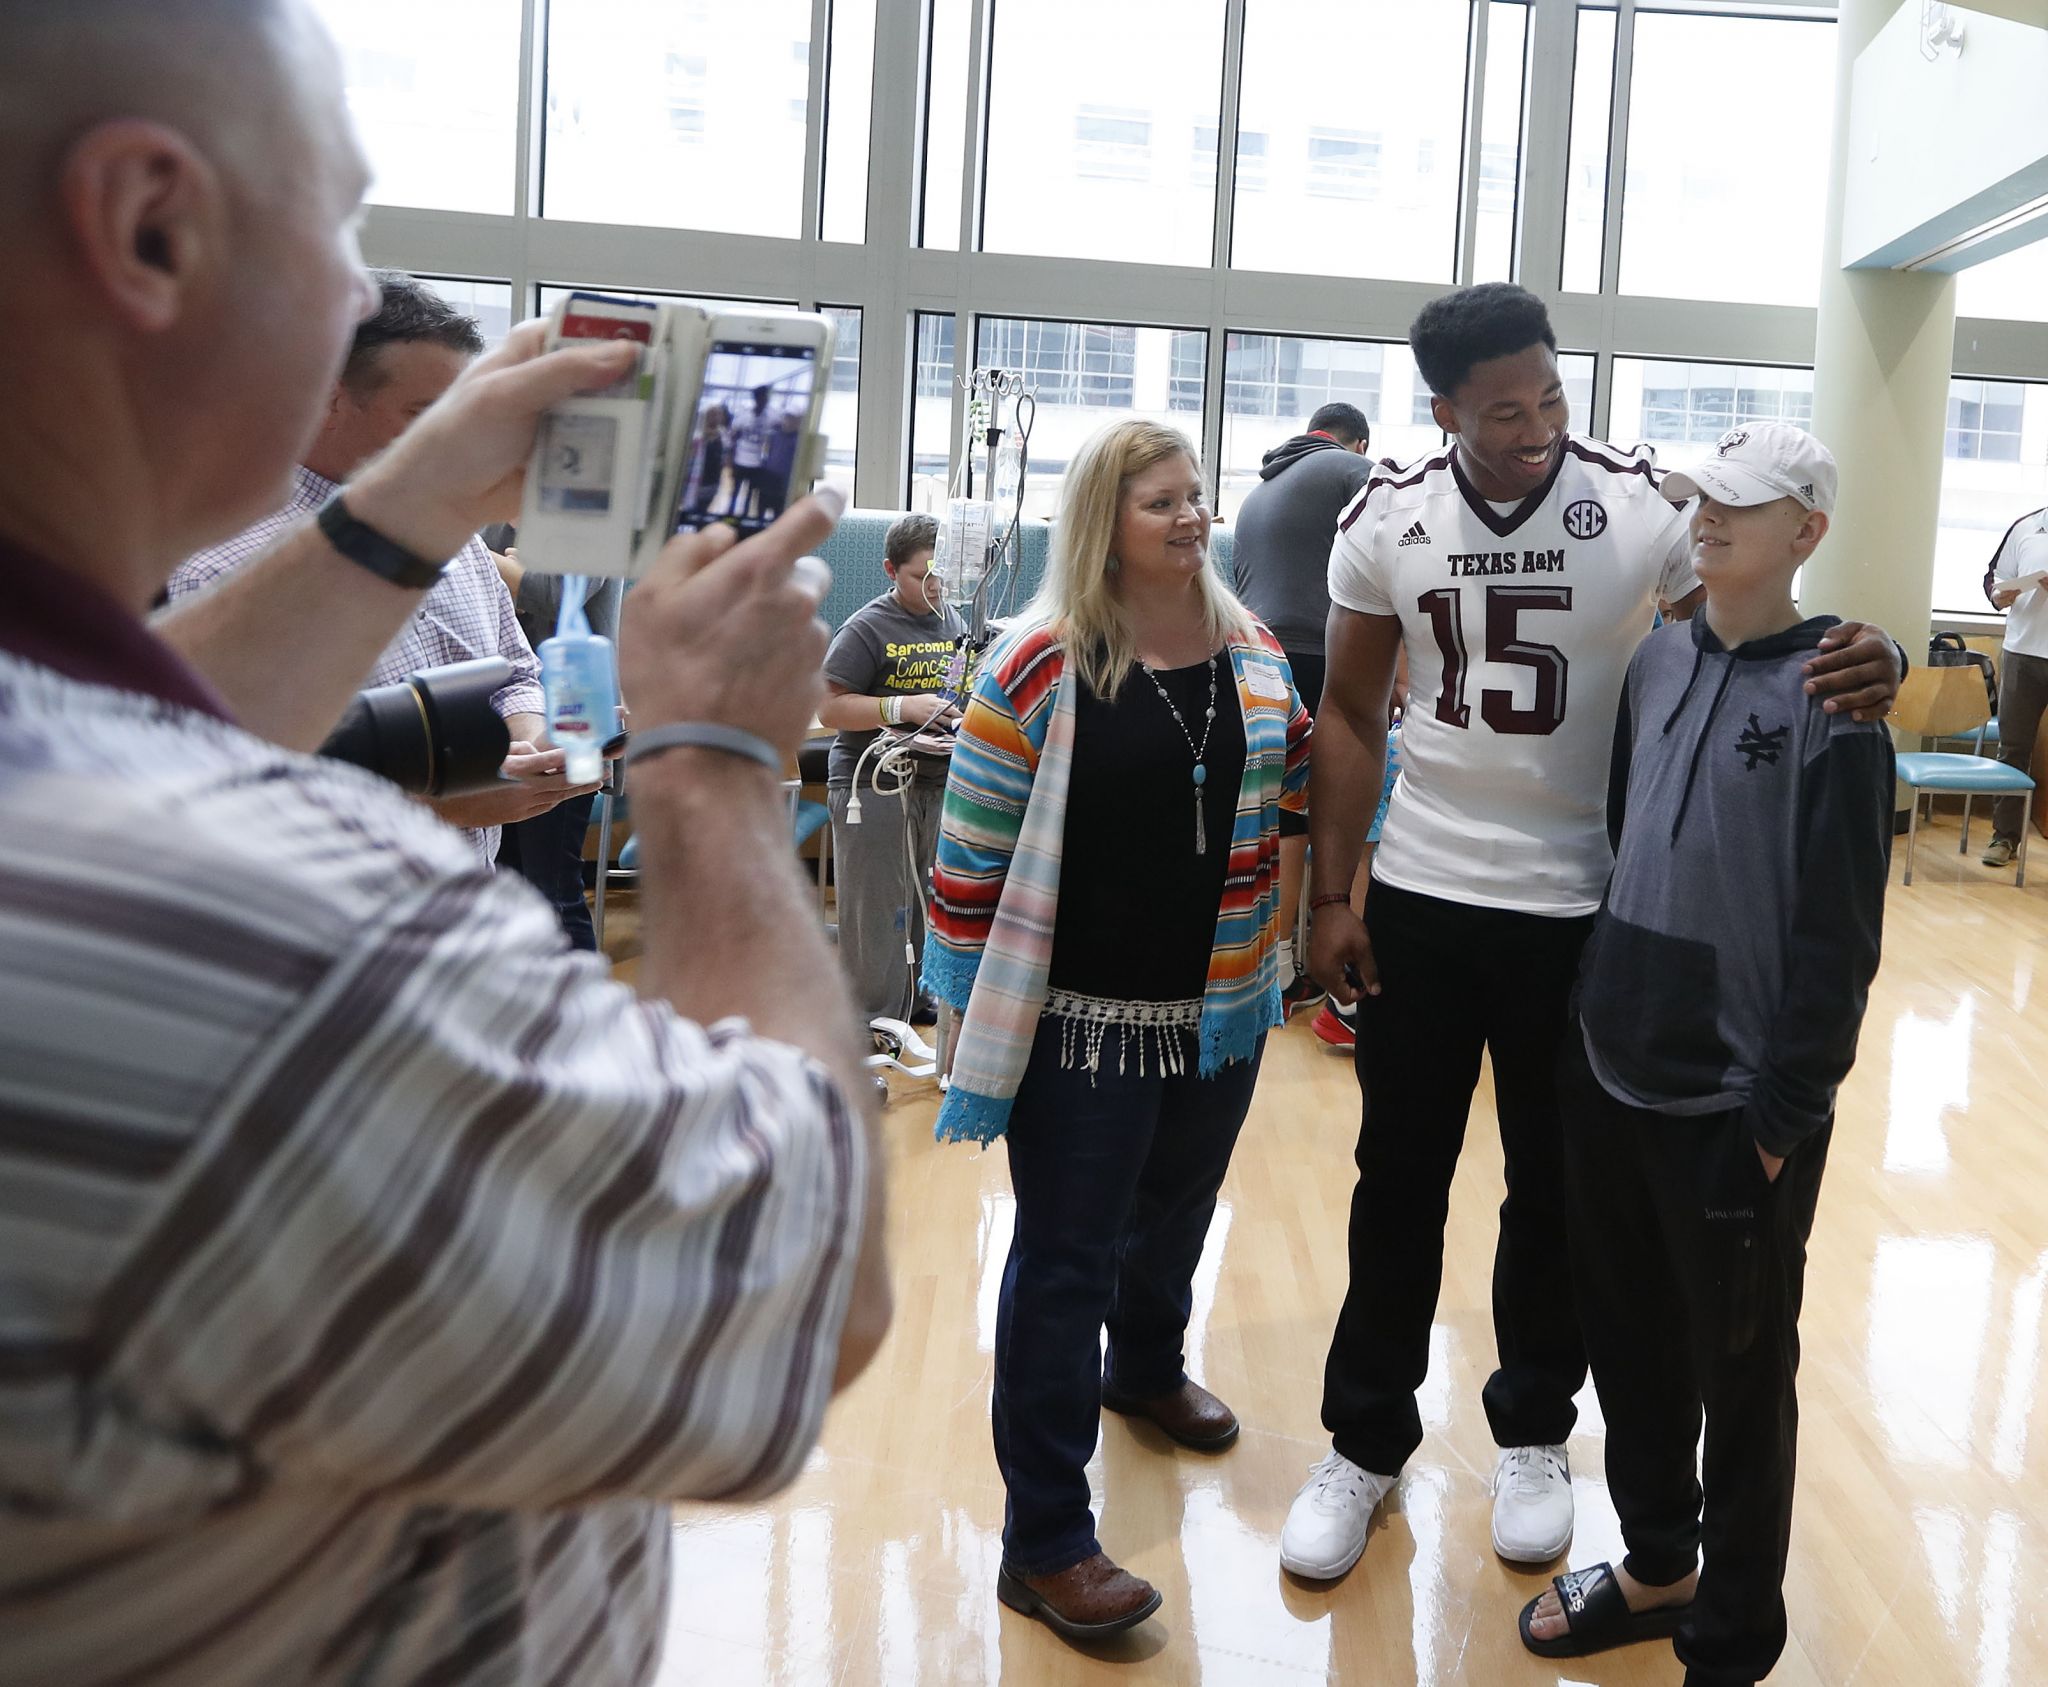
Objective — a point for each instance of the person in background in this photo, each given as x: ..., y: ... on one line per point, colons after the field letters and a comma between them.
x: 1105, y: 912
x: 2014, y: 583
x: 750, y: 439
x: 377, y: 1271
x: 1281, y: 554
x: 401, y: 360
x: 780, y: 463
x: 707, y: 461
x: 547, y: 849
x: 887, y: 668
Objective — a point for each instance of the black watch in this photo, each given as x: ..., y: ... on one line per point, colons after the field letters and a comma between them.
x: 368, y: 548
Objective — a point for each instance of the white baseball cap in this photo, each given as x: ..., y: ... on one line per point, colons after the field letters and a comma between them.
x: 1758, y: 463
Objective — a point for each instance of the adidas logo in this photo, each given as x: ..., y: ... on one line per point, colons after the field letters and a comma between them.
x: 1414, y: 536
x: 1806, y: 491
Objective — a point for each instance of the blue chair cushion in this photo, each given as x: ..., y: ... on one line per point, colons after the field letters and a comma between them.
x: 1931, y: 772
x: 809, y: 817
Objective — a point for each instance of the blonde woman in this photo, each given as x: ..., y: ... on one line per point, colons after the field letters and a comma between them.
x: 1105, y: 914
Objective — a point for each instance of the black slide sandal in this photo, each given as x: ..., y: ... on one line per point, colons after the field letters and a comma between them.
x: 1597, y: 1616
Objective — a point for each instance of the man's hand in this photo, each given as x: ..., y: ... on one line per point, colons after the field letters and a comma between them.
x: 509, y: 567
x: 536, y: 784
x: 1857, y: 670
x: 1773, y: 1163
x: 2007, y: 593
x: 462, y: 464
x: 1339, y: 950
x: 721, y: 631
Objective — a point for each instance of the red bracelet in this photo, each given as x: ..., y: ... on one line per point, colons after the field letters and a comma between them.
x: 1328, y: 897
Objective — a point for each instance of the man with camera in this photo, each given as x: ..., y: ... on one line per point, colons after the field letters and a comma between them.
x: 372, y: 1269
x: 403, y: 357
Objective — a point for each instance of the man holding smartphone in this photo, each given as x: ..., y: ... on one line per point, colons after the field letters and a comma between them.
x: 377, y: 1270
x: 404, y: 357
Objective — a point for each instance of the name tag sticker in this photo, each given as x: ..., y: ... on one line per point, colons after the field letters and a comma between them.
x: 1262, y: 679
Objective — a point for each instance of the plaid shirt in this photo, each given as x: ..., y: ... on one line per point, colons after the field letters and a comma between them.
x: 467, y: 614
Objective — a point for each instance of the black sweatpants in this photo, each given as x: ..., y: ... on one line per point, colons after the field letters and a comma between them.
x: 1456, y: 980
x: 1690, y: 1266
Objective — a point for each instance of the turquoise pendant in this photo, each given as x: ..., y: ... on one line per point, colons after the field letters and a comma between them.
x: 1201, y: 773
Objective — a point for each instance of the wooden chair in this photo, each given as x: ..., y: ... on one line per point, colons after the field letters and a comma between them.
x: 1950, y: 703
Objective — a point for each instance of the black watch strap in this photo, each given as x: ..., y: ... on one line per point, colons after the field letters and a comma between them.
x: 365, y: 546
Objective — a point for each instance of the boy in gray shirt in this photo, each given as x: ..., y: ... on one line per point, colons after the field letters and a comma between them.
x: 1720, y: 998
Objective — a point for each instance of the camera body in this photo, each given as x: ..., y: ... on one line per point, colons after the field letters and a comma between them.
x: 717, y: 421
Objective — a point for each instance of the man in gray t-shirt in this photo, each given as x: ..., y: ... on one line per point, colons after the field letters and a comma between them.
x: 1280, y: 548
x: 887, y: 668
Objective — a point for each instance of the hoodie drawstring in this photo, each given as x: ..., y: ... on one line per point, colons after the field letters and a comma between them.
x: 1699, y: 744
x: 1699, y: 658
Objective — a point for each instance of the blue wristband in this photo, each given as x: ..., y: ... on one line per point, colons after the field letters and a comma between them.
x: 705, y: 735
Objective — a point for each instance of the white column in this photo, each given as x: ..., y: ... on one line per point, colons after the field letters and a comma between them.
x: 1883, y: 344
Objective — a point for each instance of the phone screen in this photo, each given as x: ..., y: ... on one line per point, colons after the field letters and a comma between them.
x: 749, y: 428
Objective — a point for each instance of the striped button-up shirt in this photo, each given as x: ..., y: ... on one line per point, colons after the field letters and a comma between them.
x: 371, y: 1266
x: 468, y: 613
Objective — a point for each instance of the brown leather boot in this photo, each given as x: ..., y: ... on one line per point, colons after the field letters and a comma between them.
x: 1190, y: 1415
x: 1091, y: 1601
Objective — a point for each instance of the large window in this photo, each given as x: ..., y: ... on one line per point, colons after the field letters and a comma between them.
x: 434, y: 91
x: 1995, y: 470
x: 1719, y: 205
x: 490, y: 302
x: 849, y: 96
x: 678, y: 113
x: 1085, y: 375
x: 1358, y: 117
x: 1500, y: 142
x: 931, y: 409
x: 842, y: 398
x: 552, y: 296
x: 1585, y: 197
x: 1680, y: 410
x: 1372, y: 154
x: 945, y: 122
x: 1093, y: 108
x: 2015, y: 286
x: 1273, y: 384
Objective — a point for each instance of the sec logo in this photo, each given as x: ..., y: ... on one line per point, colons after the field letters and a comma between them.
x: 1585, y: 519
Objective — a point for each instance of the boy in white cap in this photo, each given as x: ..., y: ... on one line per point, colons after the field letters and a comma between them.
x: 1719, y: 1002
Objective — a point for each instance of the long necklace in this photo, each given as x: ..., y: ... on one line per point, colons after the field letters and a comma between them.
x: 1200, y: 752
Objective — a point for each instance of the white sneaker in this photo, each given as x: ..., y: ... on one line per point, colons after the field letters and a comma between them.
x: 1330, y: 1518
x: 1532, y: 1504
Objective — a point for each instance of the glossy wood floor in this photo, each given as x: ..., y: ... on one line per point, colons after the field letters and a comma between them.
x: 1922, y: 1522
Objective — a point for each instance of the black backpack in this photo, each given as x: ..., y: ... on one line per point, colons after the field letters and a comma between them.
x: 1947, y: 650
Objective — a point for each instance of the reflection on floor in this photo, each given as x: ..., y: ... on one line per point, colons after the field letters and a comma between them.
x: 1923, y: 1510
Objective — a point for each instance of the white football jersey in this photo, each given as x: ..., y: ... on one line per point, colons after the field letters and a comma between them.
x: 1519, y: 621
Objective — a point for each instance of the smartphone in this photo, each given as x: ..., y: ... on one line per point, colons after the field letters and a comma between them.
x: 754, y: 445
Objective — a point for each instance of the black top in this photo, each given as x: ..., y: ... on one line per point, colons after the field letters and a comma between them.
x: 1137, y: 905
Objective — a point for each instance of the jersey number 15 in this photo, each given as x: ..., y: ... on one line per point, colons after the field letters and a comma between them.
x: 1445, y: 608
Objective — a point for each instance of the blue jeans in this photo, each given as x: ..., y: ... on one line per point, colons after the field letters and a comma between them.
x: 1115, y: 1179
x: 547, y: 851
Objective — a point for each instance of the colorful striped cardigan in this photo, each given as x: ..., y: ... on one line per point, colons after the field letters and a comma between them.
x: 995, y: 886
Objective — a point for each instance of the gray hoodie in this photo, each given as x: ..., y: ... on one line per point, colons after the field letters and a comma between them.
x: 1733, y: 955
x: 1280, y: 544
